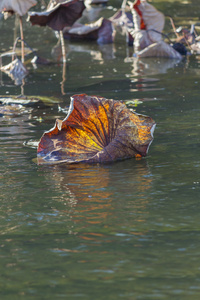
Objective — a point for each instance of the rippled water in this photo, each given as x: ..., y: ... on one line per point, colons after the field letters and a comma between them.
x: 125, y: 230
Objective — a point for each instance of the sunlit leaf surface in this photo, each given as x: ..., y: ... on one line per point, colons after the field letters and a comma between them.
x: 96, y: 130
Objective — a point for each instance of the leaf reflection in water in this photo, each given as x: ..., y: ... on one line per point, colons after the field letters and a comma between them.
x: 88, y: 196
x: 151, y: 66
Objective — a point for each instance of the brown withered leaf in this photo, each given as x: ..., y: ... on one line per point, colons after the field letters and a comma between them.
x: 64, y: 13
x: 96, y: 130
x: 101, y: 30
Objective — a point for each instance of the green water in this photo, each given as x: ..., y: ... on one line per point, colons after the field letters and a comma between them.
x: 127, y: 230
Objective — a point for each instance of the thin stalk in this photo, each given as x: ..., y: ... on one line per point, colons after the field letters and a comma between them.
x: 64, y: 62
x: 50, y: 4
x: 22, y: 39
x: 173, y: 26
x: 62, y: 46
x: 186, y: 41
x: 123, y: 5
x: 15, y: 31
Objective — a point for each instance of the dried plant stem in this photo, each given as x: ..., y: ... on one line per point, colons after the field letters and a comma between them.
x: 22, y: 39
x: 173, y: 26
x: 62, y: 46
x: 123, y: 5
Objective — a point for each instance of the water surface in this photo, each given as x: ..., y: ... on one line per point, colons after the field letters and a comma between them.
x: 127, y: 230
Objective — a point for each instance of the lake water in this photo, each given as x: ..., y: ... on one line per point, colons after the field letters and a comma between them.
x: 127, y: 230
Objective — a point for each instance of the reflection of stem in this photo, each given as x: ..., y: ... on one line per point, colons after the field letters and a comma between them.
x: 22, y: 87
x: 63, y: 78
x: 22, y: 38
x: 123, y: 7
x: 62, y: 46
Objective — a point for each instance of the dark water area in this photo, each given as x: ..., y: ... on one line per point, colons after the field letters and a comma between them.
x: 127, y: 230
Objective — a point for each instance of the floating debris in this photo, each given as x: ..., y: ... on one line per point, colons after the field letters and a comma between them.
x: 29, y: 100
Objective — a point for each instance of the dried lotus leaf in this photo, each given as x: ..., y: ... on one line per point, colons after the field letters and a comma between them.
x: 96, y: 130
x: 101, y: 30
x: 160, y: 49
x: 58, y: 16
x: 17, y: 6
